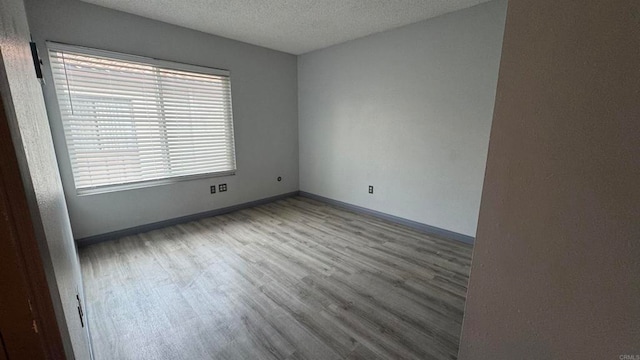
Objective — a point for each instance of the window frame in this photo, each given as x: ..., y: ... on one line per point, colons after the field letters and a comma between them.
x: 171, y: 65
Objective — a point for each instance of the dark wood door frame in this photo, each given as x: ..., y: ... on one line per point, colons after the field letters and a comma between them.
x: 28, y: 326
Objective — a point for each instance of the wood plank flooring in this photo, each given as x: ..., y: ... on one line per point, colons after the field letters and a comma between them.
x: 293, y: 279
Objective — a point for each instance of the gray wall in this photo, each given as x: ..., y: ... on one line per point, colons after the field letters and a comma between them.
x: 556, y: 264
x: 25, y: 110
x: 408, y: 111
x: 264, y: 104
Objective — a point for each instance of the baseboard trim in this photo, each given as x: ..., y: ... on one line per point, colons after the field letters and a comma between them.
x: 179, y: 220
x: 427, y: 229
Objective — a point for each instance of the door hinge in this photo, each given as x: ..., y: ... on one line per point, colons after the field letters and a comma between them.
x: 37, y: 62
x: 80, y: 312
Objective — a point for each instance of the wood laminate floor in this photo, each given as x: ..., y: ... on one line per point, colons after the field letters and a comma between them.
x: 293, y: 279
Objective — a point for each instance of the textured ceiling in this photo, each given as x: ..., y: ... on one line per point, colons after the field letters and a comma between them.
x: 293, y: 26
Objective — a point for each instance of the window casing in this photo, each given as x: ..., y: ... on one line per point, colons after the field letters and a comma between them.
x: 131, y: 121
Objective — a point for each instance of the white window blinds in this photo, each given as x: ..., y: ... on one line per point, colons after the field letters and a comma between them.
x: 130, y: 120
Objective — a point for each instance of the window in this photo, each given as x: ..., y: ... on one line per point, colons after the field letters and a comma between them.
x: 131, y: 121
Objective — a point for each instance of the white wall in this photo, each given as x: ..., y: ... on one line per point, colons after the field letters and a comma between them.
x: 264, y: 104
x: 557, y: 257
x: 31, y: 137
x: 408, y: 111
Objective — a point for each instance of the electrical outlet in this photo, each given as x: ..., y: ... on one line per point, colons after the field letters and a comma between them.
x: 370, y: 189
x: 222, y: 187
x: 213, y: 189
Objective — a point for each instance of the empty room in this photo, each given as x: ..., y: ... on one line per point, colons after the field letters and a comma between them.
x: 208, y: 179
